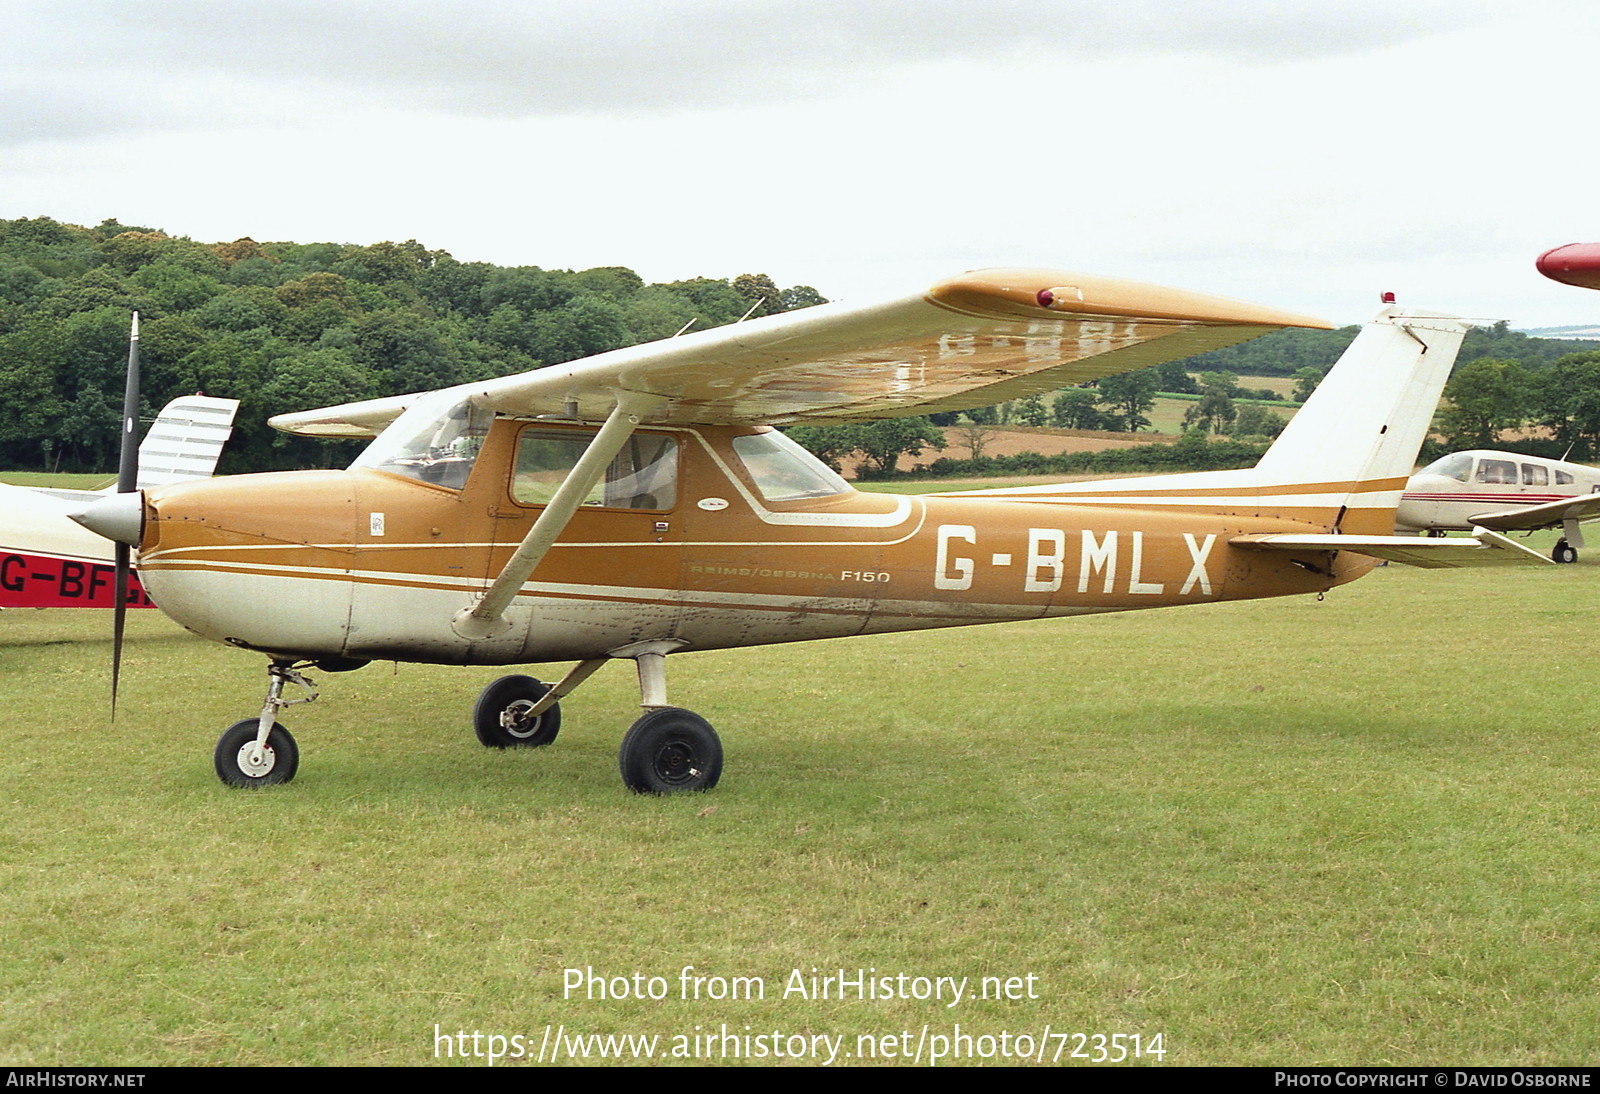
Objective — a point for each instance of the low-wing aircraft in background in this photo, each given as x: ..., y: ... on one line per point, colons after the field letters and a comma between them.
x: 1503, y: 491
x: 639, y: 504
x: 47, y: 560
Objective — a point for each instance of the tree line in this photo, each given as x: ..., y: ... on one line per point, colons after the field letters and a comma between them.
x: 286, y: 326
x: 292, y: 326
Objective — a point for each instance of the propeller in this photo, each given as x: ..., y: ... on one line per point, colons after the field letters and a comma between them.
x: 120, y: 516
x: 127, y: 482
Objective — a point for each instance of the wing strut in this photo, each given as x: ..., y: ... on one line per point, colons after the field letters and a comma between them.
x: 485, y: 618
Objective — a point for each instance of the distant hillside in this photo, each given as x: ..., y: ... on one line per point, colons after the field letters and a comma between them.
x: 1283, y: 352
x: 1581, y: 332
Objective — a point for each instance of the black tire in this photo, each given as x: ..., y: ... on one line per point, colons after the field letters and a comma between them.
x: 669, y: 751
x: 282, y: 756
x: 501, y: 702
x: 1564, y: 552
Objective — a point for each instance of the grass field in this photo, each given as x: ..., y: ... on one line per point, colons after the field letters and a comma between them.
x: 1360, y: 831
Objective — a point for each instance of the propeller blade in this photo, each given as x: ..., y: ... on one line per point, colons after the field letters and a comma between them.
x: 127, y: 481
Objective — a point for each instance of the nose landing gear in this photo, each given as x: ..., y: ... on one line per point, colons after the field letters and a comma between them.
x: 258, y: 751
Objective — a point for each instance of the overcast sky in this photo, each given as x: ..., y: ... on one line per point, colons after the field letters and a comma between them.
x: 1308, y: 155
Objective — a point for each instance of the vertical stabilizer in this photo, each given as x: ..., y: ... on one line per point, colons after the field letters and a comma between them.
x: 1360, y: 432
x: 186, y: 440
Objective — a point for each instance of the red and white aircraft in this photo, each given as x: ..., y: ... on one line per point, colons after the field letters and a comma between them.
x: 1505, y: 492
x: 48, y: 560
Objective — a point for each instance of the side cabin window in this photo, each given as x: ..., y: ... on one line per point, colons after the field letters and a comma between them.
x: 1563, y: 479
x: 644, y: 475
x: 1535, y: 475
x: 1502, y: 472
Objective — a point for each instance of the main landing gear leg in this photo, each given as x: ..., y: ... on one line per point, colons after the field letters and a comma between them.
x: 258, y: 751
x: 668, y: 750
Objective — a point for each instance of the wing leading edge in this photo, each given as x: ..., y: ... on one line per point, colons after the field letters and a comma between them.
x: 970, y: 341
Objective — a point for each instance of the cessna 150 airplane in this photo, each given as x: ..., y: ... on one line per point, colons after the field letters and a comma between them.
x: 48, y: 561
x: 1504, y: 491
x: 639, y: 504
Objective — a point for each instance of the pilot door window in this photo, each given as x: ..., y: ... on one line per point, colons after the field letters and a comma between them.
x: 644, y: 474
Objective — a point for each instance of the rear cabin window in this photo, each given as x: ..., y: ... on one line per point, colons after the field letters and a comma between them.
x: 1562, y: 478
x: 1534, y: 475
x: 644, y: 474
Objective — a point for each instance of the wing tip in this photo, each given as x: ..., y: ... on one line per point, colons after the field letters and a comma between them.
x: 1021, y: 292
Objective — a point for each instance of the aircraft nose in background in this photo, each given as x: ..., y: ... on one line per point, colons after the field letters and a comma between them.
x: 118, y: 517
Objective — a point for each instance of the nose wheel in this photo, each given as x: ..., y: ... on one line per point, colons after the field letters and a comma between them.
x: 258, y: 751
x: 241, y: 760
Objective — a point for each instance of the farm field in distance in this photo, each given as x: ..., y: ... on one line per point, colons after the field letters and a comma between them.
x: 1357, y: 831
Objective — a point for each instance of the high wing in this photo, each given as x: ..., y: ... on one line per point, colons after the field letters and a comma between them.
x: 1549, y: 514
x: 1484, y: 548
x: 970, y: 341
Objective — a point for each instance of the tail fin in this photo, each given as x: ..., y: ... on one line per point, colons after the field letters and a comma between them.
x: 1342, y: 462
x: 186, y: 440
x: 1360, y: 432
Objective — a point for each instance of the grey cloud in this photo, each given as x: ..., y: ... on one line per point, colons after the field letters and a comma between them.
x: 73, y: 68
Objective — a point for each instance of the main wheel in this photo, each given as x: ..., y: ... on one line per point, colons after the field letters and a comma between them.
x: 238, y: 764
x: 500, y: 717
x: 670, y: 750
x: 1564, y: 552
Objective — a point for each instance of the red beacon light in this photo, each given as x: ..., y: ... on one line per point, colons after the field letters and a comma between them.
x: 1045, y: 298
x: 1387, y: 298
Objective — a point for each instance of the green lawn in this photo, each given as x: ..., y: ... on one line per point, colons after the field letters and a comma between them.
x: 1360, y: 831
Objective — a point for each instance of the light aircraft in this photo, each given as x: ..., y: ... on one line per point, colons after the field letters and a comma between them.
x: 638, y: 504
x: 1503, y: 491
x: 49, y: 561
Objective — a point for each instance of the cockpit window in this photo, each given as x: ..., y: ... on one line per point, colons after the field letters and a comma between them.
x: 1457, y: 465
x: 436, y: 441
x: 644, y: 475
x: 783, y: 471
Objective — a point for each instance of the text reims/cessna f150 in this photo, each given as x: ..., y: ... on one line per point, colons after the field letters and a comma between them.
x: 639, y: 503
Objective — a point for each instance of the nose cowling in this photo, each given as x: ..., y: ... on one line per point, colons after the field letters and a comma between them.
x: 118, y: 517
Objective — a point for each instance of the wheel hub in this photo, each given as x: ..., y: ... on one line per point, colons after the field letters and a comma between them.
x: 676, y: 762
x: 515, y: 721
x: 256, y: 761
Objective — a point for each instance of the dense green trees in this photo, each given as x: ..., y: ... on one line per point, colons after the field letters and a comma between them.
x: 289, y: 326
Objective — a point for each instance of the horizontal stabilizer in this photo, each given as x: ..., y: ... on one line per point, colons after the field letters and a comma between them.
x: 1484, y: 548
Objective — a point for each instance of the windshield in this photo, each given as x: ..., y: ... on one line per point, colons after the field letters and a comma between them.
x: 1457, y: 465
x: 435, y: 441
x: 783, y: 471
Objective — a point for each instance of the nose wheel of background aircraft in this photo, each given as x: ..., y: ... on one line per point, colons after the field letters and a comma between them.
x: 502, y: 717
x: 1564, y: 552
